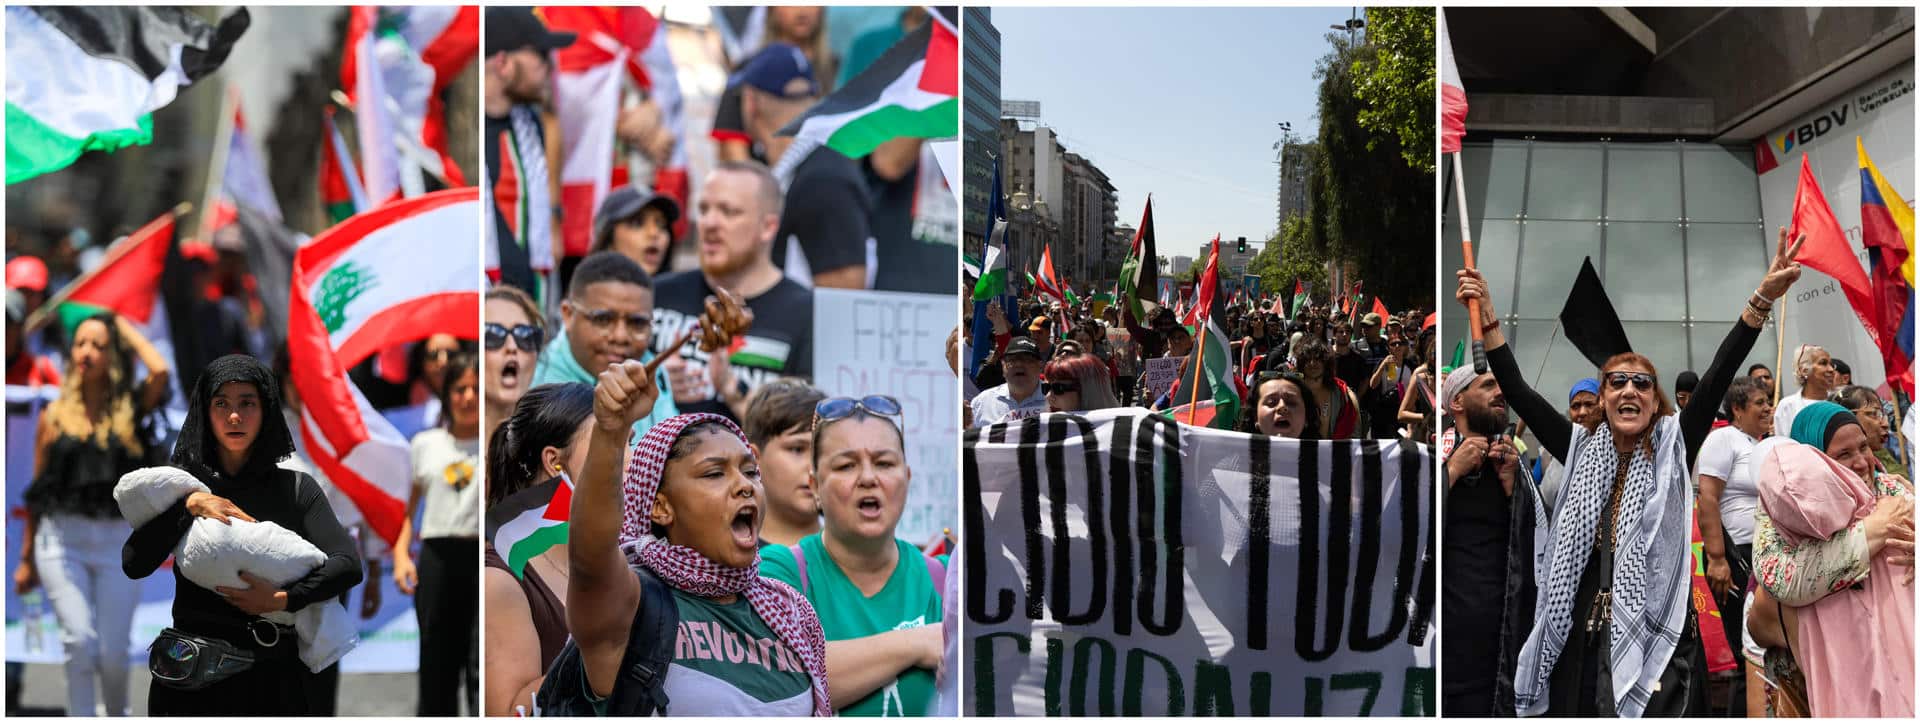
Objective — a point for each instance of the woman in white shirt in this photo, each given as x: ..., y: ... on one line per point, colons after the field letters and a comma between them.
x: 446, y: 583
x: 1729, y: 494
x: 1813, y: 368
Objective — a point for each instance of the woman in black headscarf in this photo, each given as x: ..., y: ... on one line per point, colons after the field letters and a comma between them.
x: 232, y: 440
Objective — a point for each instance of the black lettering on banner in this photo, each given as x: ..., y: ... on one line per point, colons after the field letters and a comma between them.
x: 1367, y: 567
x: 976, y: 542
x: 1137, y: 675
x: 983, y: 677
x: 1261, y: 693
x: 1051, y: 692
x: 1414, y: 462
x: 1061, y: 599
x: 1212, y: 690
x: 1170, y: 550
x: 1030, y: 517
x: 1077, y: 695
x: 1259, y: 536
x: 1123, y: 536
x: 1306, y: 593
x: 1339, y: 552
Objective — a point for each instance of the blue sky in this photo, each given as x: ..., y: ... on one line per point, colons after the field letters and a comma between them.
x: 1180, y: 102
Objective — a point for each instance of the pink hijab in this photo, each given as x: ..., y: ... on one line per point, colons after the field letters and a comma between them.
x: 1855, y: 646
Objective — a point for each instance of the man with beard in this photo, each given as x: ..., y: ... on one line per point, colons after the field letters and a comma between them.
x: 518, y: 69
x: 739, y: 210
x: 1491, y: 512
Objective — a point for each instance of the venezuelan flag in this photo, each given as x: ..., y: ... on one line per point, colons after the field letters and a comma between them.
x: 1886, y: 226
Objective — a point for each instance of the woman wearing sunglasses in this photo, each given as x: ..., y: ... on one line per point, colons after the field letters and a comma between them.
x: 879, y: 597
x: 1281, y: 405
x: 1078, y: 384
x: 676, y: 544
x: 1613, y: 631
x: 511, y: 339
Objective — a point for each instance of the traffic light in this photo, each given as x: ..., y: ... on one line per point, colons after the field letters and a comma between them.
x: 1240, y: 246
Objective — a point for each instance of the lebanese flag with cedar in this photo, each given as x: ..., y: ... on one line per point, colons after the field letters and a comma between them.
x: 360, y: 287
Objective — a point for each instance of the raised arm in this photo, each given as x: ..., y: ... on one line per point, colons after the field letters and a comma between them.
x: 1697, y: 421
x: 1552, y: 429
x: 153, y: 389
x: 602, y: 593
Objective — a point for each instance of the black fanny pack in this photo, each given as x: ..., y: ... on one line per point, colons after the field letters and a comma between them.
x: 190, y: 662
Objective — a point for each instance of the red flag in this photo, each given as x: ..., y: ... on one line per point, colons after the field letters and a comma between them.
x: 1826, y: 249
x: 1453, y: 96
x: 1713, y: 635
x: 1380, y: 308
x: 1047, y: 281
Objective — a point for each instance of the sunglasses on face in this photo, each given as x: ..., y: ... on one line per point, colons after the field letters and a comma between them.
x: 441, y: 355
x: 525, y: 337
x: 1058, y: 387
x: 605, y: 318
x: 1619, y: 379
x: 840, y: 407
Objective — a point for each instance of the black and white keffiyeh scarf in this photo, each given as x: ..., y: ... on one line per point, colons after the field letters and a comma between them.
x: 1651, y: 565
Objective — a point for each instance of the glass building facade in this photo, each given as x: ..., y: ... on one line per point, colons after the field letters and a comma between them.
x: 1674, y: 230
x: 980, y: 122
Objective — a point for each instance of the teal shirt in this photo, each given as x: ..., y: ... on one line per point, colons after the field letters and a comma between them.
x: 557, y: 366
x: 908, y: 600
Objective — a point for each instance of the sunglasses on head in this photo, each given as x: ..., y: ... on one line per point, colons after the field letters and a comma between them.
x: 1619, y: 379
x: 526, y: 337
x: 1058, y: 387
x: 840, y: 407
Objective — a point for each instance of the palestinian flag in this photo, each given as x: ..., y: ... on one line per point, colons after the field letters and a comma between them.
x: 90, y: 78
x: 1217, y: 389
x: 1140, y: 272
x: 993, y: 274
x: 244, y: 182
x: 912, y: 91
x: 356, y: 289
x: 530, y: 521
x: 340, y: 191
x: 126, y: 283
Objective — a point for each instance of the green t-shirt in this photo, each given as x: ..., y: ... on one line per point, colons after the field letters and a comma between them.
x: 909, y: 600
x: 728, y: 662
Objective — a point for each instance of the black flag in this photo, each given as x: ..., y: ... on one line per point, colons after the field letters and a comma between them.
x: 1589, y: 319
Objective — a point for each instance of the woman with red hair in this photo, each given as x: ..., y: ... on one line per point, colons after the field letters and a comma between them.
x: 1078, y: 383
x: 1613, y: 631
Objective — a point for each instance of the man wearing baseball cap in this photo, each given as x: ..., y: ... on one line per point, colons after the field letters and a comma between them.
x: 825, y: 237
x: 518, y: 65
x: 1019, y: 397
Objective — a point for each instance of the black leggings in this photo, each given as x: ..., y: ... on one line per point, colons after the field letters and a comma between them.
x: 448, y: 606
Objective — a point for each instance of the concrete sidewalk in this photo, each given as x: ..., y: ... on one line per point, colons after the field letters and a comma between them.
x: 43, y: 692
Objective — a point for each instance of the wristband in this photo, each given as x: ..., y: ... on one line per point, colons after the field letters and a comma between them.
x: 1490, y: 327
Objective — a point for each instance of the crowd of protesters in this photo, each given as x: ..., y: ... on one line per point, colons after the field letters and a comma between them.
x: 1321, y: 374
x: 1569, y: 564
x: 732, y: 527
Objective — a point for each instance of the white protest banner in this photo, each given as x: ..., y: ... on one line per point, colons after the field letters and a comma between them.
x: 894, y: 344
x: 1121, y: 564
x: 1161, y: 373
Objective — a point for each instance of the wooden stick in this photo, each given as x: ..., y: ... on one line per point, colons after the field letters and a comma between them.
x: 1466, y: 255
x: 1779, y: 348
x: 671, y: 349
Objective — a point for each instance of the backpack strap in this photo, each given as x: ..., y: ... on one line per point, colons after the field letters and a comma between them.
x: 640, y: 690
x: 800, y: 559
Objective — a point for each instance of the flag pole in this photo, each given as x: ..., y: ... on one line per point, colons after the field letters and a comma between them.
x: 38, y: 318
x: 1199, y: 362
x: 1466, y: 255
x: 217, y: 171
x: 1779, y: 350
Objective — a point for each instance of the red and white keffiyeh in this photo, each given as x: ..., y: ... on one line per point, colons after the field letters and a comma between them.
x: 790, y: 614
